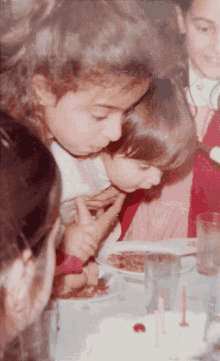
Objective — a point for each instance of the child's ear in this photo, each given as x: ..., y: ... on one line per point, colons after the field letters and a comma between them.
x: 43, y: 95
x: 180, y: 19
x: 19, y: 280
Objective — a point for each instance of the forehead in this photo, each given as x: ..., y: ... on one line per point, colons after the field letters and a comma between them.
x: 120, y: 93
x: 207, y: 9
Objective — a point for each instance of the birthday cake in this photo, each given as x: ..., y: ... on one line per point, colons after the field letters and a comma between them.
x: 138, y: 339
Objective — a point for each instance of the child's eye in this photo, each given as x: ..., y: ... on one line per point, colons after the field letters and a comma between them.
x: 99, y: 118
x: 144, y: 167
x: 203, y: 29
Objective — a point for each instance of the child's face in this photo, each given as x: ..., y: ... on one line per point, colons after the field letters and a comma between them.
x: 130, y: 174
x: 202, y: 29
x: 86, y: 121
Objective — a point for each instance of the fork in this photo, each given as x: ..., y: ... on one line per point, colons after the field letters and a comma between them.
x: 103, y: 281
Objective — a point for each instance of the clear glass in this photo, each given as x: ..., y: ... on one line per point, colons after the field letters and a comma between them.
x: 162, y: 273
x: 38, y: 340
x: 208, y: 243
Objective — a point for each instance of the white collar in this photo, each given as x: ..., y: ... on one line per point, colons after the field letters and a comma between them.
x: 203, y: 91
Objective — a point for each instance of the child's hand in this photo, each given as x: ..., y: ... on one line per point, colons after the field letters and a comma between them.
x: 80, y: 238
x: 83, y: 237
x: 92, y: 270
x: 103, y: 199
x: 105, y: 220
x: 63, y: 285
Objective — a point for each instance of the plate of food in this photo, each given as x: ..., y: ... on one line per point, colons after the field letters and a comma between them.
x: 109, y: 290
x: 127, y: 258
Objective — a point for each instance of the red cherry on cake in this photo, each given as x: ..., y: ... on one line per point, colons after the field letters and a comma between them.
x: 139, y: 327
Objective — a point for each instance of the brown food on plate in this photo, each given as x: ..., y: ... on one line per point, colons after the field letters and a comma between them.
x: 128, y: 261
x: 160, y: 257
x: 101, y: 289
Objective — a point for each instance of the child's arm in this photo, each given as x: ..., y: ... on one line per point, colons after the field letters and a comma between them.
x: 65, y: 284
x: 82, y: 238
x: 92, y: 271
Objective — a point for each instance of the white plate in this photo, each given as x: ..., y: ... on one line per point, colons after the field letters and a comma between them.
x: 117, y: 286
x: 176, y: 246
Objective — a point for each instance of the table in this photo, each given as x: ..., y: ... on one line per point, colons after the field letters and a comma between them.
x: 75, y: 326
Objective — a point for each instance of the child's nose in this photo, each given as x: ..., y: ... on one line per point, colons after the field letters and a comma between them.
x: 155, y: 175
x: 114, y: 130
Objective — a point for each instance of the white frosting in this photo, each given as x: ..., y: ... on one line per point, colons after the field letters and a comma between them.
x: 215, y: 154
x: 116, y: 340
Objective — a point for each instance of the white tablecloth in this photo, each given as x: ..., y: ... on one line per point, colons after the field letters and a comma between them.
x: 74, y: 326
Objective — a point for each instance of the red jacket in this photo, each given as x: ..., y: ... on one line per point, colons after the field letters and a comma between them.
x: 205, y: 192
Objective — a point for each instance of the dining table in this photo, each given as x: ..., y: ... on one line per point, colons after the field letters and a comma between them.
x: 70, y: 327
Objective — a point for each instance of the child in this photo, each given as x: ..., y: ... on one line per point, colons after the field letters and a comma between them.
x: 74, y: 73
x: 200, y: 23
x: 157, y: 135
x: 167, y: 217
x: 29, y: 207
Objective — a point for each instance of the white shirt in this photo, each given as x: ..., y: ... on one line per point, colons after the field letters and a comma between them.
x: 80, y: 177
x: 203, y: 91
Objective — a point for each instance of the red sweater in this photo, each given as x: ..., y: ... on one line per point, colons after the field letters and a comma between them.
x: 205, y: 192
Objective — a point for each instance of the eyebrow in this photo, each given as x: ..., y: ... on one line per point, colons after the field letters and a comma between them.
x: 118, y: 108
x: 196, y: 18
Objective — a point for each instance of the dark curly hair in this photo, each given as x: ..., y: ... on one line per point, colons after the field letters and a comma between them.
x: 159, y: 130
x: 85, y: 39
x: 27, y: 175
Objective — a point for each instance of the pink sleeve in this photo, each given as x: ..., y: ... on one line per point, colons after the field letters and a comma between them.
x: 128, y: 211
x: 165, y: 217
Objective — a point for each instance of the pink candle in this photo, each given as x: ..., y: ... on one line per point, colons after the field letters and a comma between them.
x: 162, y: 316
x: 183, y: 307
x: 157, y: 329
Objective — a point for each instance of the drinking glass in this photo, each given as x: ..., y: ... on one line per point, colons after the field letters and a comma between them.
x: 208, y: 243
x: 208, y: 264
x: 161, y: 280
x: 38, y: 340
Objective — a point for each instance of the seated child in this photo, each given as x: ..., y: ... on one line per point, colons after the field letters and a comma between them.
x: 73, y: 80
x: 29, y: 226
x: 29, y: 223
x: 157, y: 135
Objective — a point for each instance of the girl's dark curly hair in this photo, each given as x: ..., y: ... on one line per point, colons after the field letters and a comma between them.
x: 27, y: 175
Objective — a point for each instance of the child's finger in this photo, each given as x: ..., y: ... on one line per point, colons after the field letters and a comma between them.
x: 108, y: 218
x: 83, y: 212
x: 100, y: 212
